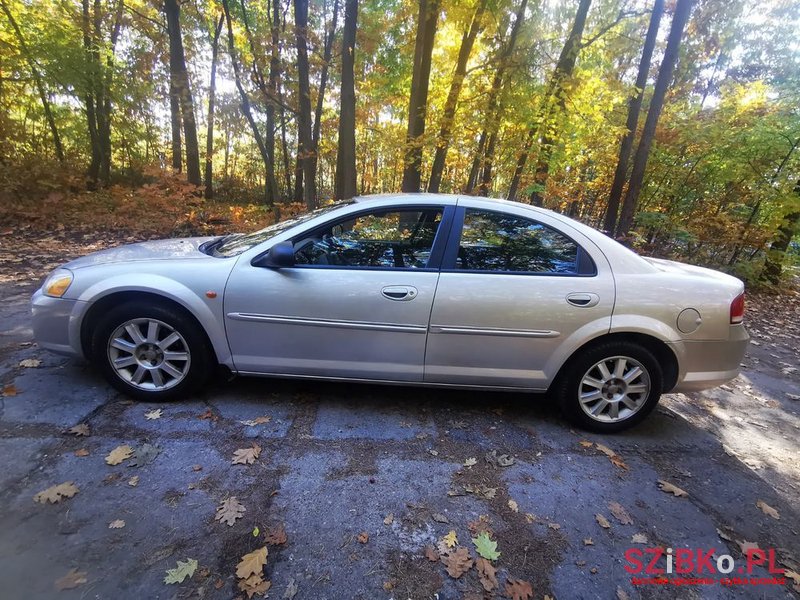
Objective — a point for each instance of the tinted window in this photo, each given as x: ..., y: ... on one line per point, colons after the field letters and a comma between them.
x: 493, y: 241
x: 400, y: 239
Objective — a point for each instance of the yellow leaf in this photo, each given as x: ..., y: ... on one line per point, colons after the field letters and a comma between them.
x: 55, y: 493
x: 450, y: 539
x: 119, y: 454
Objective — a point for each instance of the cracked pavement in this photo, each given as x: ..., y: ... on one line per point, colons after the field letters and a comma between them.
x: 338, y: 459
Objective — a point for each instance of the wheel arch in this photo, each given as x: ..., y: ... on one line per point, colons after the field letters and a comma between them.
x: 666, y: 357
x: 109, y: 301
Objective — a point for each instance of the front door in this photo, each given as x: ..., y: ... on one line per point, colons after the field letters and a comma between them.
x: 355, y: 305
x: 515, y: 295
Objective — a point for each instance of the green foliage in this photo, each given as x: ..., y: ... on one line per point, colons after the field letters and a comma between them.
x: 182, y: 571
x: 485, y: 546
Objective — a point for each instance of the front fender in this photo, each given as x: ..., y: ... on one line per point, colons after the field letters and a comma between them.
x: 209, y: 312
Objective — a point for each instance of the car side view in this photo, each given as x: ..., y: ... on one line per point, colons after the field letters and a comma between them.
x: 414, y: 289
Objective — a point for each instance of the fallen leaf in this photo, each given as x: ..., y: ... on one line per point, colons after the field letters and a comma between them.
x: 440, y: 518
x: 276, y: 536
x: 81, y: 429
x: 470, y: 462
x: 481, y: 490
x: 117, y: 524
x: 363, y: 537
x: 669, y: 488
x: 9, y: 390
x: 256, y: 421
x: 246, y: 456
x: 208, y: 415
x: 605, y: 450
x: 71, y: 580
x: 602, y: 521
x: 182, y: 571
x: 144, y: 455
x: 768, y: 510
x: 55, y: 493
x: 586, y: 444
x: 517, y: 589
x: 133, y: 481
x: 254, y: 585
x: 622, y: 594
x: 588, y: 542
x: 119, y: 454
x: 639, y: 538
x: 229, y: 510
x: 30, y: 363
x: 555, y: 526
x: 457, y: 562
x: 480, y: 525
x: 450, y: 539
x: 153, y: 414
x: 252, y: 563
x: 617, y: 461
x: 431, y: 554
x: 487, y: 574
x: 620, y: 513
x: 256, y: 531
x: 512, y: 504
x: 197, y: 468
x: 503, y: 460
x: 389, y: 519
x: 486, y: 547
x: 746, y: 546
x: 81, y: 452
x: 291, y: 590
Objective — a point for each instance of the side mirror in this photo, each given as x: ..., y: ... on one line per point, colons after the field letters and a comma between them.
x: 280, y: 255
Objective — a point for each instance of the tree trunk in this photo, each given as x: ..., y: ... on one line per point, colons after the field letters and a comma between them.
x: 495, y: 106
x: 306, y: 151
x: 327, y: 52
x: 418, y: 101
x: 475, y: 169
x: 105, y: 77
x: 634, y: 107
x: 93, y: 172
x: 270, y: 183
x: 175, y: 128
x: 346, y: 184
x: 37, y: 79
x: 450, y: 105
x: 663, y: 81
x: 180, y: 77
x: 275, y: 83
x: 521, y: 160
x: 777, y: 249
x: 555, y: 101
x: 212, y: 92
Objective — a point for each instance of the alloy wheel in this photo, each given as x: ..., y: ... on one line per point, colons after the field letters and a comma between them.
x: 614, y: 389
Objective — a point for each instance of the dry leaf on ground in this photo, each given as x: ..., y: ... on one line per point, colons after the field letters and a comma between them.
x: 470, y: 462
x: 81, y: 429
x: 512, y: 504
x: 9, y: 390
x: 275, y: 536
x: 746, y: 546
x: 457, y: 562
x: 116, y: 524
x: 451, y: 539
x: 431, y: 554
x: 256, y: 421
x: 440, y: 518
x: 517, y: 589
x: 182, y: 571
x: 71, y: 580
x: 639, y: 538
x: 389, y: 519
x: 153, y: 414
x: 246, y: 456
x: 622, y: 594
x: 487, y: 574
x: 363, y: 537
x: 133, y: 481
x: 30, y: 363
x: 55, y: 493
x: 768, y: 510
x: 620, y: 513
x: 229, y: 510
x: 81, y: 452
x: 119, y: 454
x: 254, y: 585
x: 605, y: 450
x: 666, y: 486
x: 252, y: 563
x: 586, y: 444
x: 602, y: 521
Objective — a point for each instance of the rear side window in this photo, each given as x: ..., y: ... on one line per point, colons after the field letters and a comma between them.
x: 492, y: 241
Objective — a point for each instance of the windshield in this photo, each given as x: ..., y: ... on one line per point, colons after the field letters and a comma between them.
x: 240, y: 242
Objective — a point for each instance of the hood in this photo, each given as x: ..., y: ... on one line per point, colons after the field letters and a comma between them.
x: 154, y: 250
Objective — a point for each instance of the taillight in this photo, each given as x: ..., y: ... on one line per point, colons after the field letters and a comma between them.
x: 737, y: 309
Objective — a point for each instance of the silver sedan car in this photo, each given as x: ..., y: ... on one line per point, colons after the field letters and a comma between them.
x: 416, y: 289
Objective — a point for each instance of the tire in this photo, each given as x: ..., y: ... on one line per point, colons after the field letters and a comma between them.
x: 603, y: 390
x: 167, y: 359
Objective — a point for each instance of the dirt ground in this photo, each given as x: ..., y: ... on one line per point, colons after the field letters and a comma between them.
x: 363, y: 478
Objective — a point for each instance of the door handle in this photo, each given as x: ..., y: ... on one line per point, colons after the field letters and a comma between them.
x: 399, y: 292
x: 583, y: 300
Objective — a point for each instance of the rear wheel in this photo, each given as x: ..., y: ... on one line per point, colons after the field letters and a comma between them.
x: 151, y: 352
x: 610, y: 387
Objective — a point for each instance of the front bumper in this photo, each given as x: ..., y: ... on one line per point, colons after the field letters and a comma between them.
x: 707, y: 364
x: 56, y: 323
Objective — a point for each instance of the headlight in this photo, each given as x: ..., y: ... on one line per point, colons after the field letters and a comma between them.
x: 57, y: 283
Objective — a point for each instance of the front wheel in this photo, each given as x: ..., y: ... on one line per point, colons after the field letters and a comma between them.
x: 151, y: 352
x: 610, y: 387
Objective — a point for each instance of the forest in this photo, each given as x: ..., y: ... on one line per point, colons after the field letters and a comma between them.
x: 672, y: 125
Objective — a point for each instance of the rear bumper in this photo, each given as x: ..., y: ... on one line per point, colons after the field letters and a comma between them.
x: 707, y: 364
x: 56, y: 323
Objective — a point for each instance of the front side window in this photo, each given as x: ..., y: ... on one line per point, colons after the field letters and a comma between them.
x: 492, y: 241
x: 400, y: 239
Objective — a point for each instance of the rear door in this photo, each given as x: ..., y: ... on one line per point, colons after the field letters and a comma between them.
x: 518, y: 292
